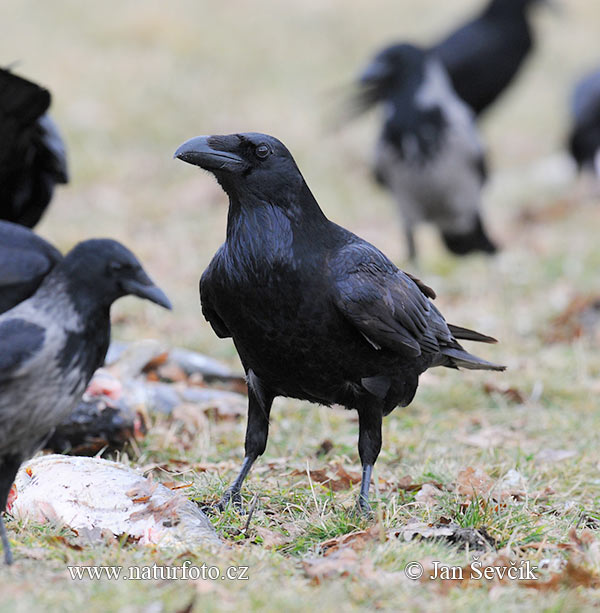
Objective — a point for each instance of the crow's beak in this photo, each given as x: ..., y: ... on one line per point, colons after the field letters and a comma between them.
x: 143, y: 287
x: 199, y: 152
x: 375, y: 72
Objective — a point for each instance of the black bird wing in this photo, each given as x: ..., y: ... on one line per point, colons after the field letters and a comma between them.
x: 25, y: 259
x: 388, y: 307
x: 206, y: 300
x: 392, y: 310
x: 21, y: 340
x: 481, y: 58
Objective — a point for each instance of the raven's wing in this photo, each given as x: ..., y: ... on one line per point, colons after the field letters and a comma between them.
x: 19, y: 341
x: 208, y: 309
x: 388, y: 307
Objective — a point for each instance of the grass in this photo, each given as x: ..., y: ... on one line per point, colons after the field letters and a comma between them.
x: 130, y: 83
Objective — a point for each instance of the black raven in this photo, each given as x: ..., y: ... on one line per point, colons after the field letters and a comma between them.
x: 32, y: 156
x: 584, y: 137
x: 315, y: 312
x: 429, y: 154
x: 25, y: 259
x: 483, y: 56
x: 51, y: 344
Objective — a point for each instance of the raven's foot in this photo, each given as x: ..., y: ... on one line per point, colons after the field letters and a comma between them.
x: 363, y: 508
x: 231, y: 496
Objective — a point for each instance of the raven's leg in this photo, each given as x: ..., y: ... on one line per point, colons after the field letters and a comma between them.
x: 9, y: 465
x: 257, y: 432
x: 369, y: 446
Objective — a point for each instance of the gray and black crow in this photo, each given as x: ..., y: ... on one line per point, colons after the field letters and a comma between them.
x: 315, y: 312
x: 32, y: 156
x: 429, y: 154
x: 584, y: 136
x: 51, y: 344
x: 25, y: 260
x: 483, y: 56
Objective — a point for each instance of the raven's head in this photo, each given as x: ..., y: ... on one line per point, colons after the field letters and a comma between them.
x: 99, y: 271
x: 253, y: 165
x: 396, y: 68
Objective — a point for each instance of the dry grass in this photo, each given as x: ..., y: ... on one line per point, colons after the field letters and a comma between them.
x: 131, y: 81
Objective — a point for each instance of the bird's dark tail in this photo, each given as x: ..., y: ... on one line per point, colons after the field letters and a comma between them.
x: 474, y: 240
x: 459, y: 358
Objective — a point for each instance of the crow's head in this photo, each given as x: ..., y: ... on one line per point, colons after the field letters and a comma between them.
x: 394, y: 69
x: 103, y: 270
x: 253, y: 165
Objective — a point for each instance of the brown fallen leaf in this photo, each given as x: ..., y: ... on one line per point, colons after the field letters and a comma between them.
x: 337, y: 478
x: 474, y: 482
x: 406, y: 484
x: 155, y: 362
x: 512, y: 394
x: 270, y: 538
x: 344, y: 562
x: 428, y: 494
x: 570, y: 577
x: 355, y: 540
x: 580, y: 318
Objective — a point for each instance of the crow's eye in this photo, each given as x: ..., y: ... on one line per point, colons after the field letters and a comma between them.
x: 118, y: 266
x: 262, y: 151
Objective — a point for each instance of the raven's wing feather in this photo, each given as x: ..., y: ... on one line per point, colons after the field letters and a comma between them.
x: 20, y: 342
x: 208, y: 310
x: 388, y: 307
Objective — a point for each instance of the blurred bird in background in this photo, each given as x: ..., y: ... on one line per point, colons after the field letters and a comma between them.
x: 484, y: 55
x: 429, y: 153
x: 32, y: 157
x: 584, y: 136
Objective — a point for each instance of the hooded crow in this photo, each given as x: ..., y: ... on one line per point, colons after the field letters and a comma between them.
x: 25, y: 259
x: 32, y: 156
x: 51, y: 344
x: 429, y: 154
x: 483, y: 56
x: 584, y: 136
x: 315, y: 312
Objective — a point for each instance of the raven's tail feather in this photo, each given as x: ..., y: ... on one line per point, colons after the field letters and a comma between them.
x: 470, y: 335
x: 474, y: 240
x: 463, y: 359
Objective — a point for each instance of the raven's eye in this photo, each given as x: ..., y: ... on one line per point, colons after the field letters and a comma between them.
x: 262, y: 151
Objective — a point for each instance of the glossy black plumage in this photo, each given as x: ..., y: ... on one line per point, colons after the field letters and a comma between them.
x: 51, y: 344
x: 25, y: 260
x: 484, y: 55
x: 584, y: 135
x: 315, y: 312
x: 32, y: 156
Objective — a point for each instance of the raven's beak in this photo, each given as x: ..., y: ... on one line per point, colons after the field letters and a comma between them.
x: 198, y: 151
x: 143, y: 287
